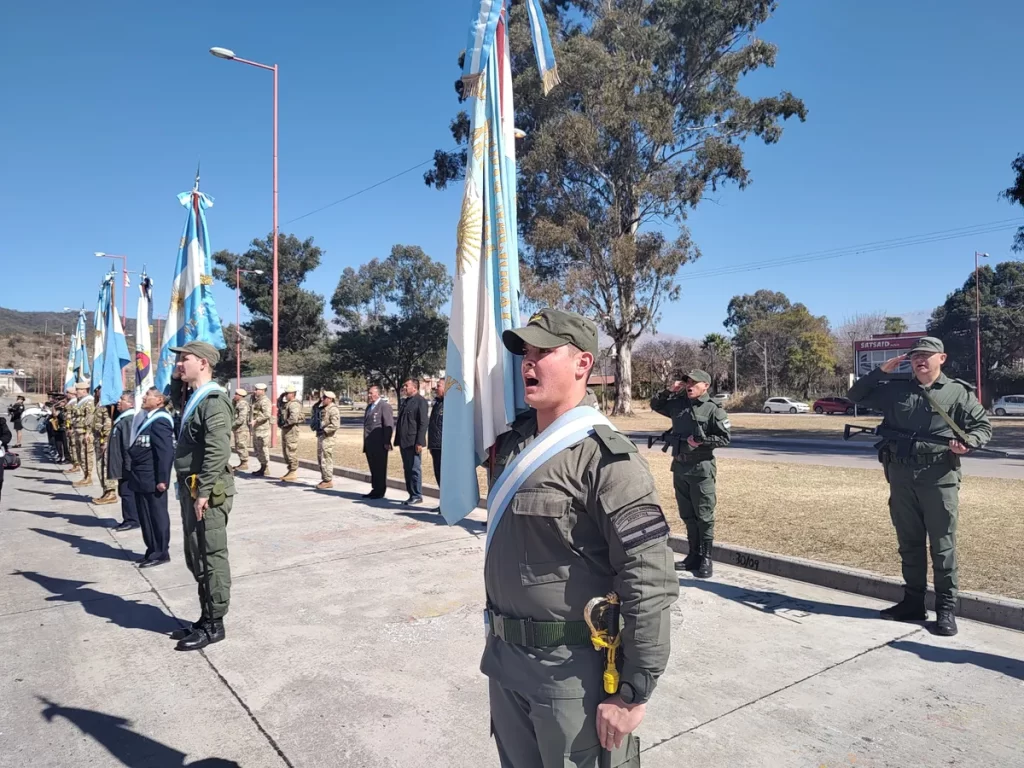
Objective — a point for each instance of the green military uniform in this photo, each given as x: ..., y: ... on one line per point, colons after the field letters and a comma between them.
x: 101, y: 426
x: 262, y: 413
x: 240, y: 429
x: 924, y: 478
x: 85, y: 411
x: 330, y: 423
x: 71, y: 429
x: 201, y: 455
x: 585, y: 523
x: 694, y: 470
x: 290, y: 421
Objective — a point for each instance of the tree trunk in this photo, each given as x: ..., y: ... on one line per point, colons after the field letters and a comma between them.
x: 623, y: 378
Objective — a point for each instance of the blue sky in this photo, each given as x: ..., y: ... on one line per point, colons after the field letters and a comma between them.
x: 914, y: 118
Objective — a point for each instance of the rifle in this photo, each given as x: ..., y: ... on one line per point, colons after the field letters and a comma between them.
x: 895, y: 433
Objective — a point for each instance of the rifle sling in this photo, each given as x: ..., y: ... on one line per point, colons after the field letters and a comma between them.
x: 961, y: 435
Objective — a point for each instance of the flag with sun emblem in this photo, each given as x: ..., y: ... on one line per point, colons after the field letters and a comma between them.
x: 143, y: 338
x: 193, y: 314
x: 77, y: 370
x: 484, y: 389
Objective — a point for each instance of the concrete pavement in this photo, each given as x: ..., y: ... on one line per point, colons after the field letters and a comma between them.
x: 355, y: 633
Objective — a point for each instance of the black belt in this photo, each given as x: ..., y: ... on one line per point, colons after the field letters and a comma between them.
x: 538, y: 634
x: 920, y: 460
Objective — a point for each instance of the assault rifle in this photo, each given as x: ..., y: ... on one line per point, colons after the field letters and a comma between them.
x: 675, y: 442
x: 895, y: 433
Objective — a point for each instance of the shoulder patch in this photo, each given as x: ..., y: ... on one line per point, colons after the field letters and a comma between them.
x: 616, y: 442
x: 640, y: 525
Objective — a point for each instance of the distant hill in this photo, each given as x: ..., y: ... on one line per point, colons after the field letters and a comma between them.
x: 15, y: 323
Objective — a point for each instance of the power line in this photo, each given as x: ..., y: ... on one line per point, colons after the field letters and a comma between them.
x: 361, y: 191
x: 853, y: 250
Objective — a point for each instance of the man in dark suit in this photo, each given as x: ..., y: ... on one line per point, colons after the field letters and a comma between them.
x: 119, y: 462
x: 411, y: 439
x: 378, y: 426
x: 152, y: 456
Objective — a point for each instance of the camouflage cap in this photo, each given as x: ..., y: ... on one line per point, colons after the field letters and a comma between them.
x: 552, y: 328
x: 200, y: 349
x: 261, y: 385
x: 698, y: 375
x: 241, y: 392
x: 82, y: 386
x: 329, y: 394
x: 929, y: 345
x: 291, y: 389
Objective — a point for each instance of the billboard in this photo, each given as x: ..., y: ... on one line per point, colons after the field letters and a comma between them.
x: 871, y: 353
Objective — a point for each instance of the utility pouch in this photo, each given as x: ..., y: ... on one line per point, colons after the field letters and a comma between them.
x: 217, y: 495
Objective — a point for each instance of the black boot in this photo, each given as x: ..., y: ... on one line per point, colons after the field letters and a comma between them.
x: 692, y: 559
x: 211, y: 631
x: 907, y: 609
x: 945, y: 622
x: 188, y: 629
x: 705, y: 567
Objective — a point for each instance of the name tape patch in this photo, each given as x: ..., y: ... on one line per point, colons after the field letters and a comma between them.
x: 640, y: 525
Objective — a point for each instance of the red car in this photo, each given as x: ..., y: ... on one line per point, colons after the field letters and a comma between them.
x: 833, y: 405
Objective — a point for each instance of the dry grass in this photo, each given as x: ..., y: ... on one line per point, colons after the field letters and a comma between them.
x: 831, y: 514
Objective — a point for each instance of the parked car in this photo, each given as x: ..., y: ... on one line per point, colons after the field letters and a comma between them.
x: 345, y: 401
x: 833, y: 405
x: 1009, y: 405
x: 785, y: 405
x: 722, y: 398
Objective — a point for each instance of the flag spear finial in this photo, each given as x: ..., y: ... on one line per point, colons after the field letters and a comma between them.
x: 196, y: 187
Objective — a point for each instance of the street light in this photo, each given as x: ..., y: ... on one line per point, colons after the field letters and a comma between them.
x: 977, y: 324
x: 229, y: 55
x: 238, y: 319
x: 124, y: 293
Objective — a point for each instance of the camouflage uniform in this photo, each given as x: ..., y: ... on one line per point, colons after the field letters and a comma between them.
x: 261, y: 415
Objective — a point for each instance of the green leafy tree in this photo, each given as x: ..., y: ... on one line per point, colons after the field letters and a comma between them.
x: 1002, y: 323
x: 648, y: 118
x: 389, y: 313
x: 811, y: 360
x: 895, y: 325
x: 716, y: 357
x: 301, y: 312
x: 1015, y: 194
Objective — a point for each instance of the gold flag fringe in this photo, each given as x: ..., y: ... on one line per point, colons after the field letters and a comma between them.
x: 473, y: 85
x: 551, y: 79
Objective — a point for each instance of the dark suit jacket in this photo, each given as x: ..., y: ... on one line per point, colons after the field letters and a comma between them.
x: 151, y: 457
x: 378, y: 424
x: 118, y: 459
x: 412, y: 422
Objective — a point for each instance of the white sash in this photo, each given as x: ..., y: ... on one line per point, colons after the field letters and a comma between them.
x: 139, y: 427
x: 124, y: 415
x: 567, y: 430
x: 193, y: 402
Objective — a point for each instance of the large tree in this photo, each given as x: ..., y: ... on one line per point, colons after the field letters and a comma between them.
x: 716, y: 357
x: 1015, y: 194
x: 389, y: 314
x: 895, y: 325
x: 301, y: 313
x: 857, y: 328
x: 647, y: 119
x: 1002, y: 323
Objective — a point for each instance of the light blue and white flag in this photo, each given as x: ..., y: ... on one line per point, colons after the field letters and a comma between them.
x: 143, y: 343
x: 193, y: 314
x: 77, y: 370
x: 99, y: 329
x: 108, y: 370
x: 484, y: 386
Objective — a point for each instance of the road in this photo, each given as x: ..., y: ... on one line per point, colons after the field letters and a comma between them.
x: 355, y: 634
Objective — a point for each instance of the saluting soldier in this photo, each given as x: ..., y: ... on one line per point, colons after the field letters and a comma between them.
x: 289, y: 419
x: 699, y: 426
x: 262, y: 413
x: 582, y: 521
x: 330, y: 423
x: 924, y: 478
x: 102, y: 424
x: 85, y: 410
x: 240, y: 427
x: 206, y: 488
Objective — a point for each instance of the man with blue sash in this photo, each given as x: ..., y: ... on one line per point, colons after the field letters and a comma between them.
x: 206, y: 488
x: 150, y: 457
x: 572, y: 515
x: 119, y: 462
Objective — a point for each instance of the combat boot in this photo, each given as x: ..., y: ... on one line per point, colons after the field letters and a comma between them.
x: 188, y: 629
x: 75, y: 468
x: 109, y: 497
x: 261, y: 472
x: 907, y: 609
x: 87, y: 480
x: 244, y: 466
x: 692, y: 559
x: 289, y: 477
x: 210, y: 631
x: 705, y: 568
x: 945, y: 622
x: 324, y: 485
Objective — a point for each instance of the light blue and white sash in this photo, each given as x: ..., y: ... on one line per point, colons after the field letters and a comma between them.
x: 138, y: 427
x: 567, y: 430
x: 124, y: 415
x: 193, y: 402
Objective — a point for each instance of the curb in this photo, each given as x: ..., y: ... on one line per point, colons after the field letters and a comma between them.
x: 976, y: 606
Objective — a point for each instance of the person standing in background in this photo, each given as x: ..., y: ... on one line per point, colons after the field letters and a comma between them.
x: 435, y: 429
x: 262, y: 413
x: 119, y: 461
x: 289, y: 418
x: 240, y: 427
x: 378, y: 426
x: 411, y: 439
x: 71, y: 427
x: 102, y: 423
x: 86, y: 411
x: 151, y: 456
x: 15, y: 411
x: 329, y: 422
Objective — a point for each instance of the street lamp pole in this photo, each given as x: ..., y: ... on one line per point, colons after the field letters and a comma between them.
x: 224, y: 53
x: 124, y: 273
x: 977, y: 325
x: 238, y: 320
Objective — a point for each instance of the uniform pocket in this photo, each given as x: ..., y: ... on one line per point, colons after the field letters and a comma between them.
x: 533, y: 574
x: 541, y: 503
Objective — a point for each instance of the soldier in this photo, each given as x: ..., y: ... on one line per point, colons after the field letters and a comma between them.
x: 86, y: 410
x: 330, y: 422
x: 924, y: 479
x: 240, y: 427
x: 102, y: 423
x: 70, y: 424
x: 288, y: 419
x: 699, y: 425
x: 584, y: 521
x: 262, y: 412
x: 206, y: 489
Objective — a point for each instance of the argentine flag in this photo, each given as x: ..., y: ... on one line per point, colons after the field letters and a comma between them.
x: 108, y: 370
x: 143, y: 343
x: 78, y: 361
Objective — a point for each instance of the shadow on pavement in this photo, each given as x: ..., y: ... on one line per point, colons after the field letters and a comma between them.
x: 473, y: 526
x: 48, y: 480
x: 777, y: 603
x: 58, y: 496
x: 128, y: 614
x: 115, y: 734
x: 356, y: 497
x: 1002, y: 664
x: 86, y: 521
x: 88, y: 546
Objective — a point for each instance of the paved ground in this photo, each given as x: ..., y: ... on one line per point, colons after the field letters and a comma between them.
x: 354, y: 637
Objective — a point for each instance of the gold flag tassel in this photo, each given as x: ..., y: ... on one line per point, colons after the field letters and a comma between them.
x: 550, y: 79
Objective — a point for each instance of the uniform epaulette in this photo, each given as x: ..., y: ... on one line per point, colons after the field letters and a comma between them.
x: 616, y: 442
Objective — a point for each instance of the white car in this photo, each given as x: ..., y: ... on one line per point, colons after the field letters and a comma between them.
x: 785, y: 405
x: 722, y: 398
x: 1009, y: 405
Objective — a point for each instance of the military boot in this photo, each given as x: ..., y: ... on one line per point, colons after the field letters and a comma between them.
x: 289, y: 476
x: 108, y: 497
x: 324, y: 485
x: 210, y: 631
x: 75, y: 468
x: 244, y: 466
x: 87, y: 480
x: 188, y: 629
x: 705, y: 567
x: 261, y: 472
x: 692, y: 559
x: 945, y: 622
x: 907, y: 609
